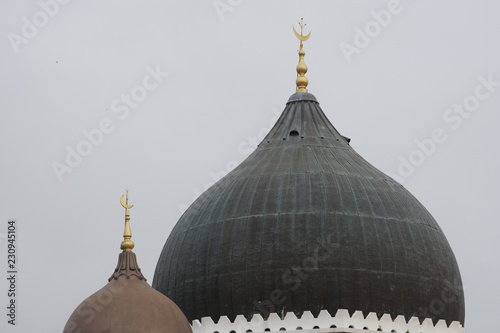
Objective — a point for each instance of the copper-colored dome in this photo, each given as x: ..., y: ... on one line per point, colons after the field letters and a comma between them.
x: 127, y: 304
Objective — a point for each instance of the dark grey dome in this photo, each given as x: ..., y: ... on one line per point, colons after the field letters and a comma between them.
x: 305, y: 223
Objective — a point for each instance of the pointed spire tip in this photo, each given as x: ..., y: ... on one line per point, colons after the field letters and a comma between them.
x: 302, y: 80
x: 127, y: 244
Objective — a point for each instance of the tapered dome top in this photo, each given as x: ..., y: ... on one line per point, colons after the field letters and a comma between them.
x: 127, y: 304
x: 306, y: 224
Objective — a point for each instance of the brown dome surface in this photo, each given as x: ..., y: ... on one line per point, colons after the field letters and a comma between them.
x: 127, y: 304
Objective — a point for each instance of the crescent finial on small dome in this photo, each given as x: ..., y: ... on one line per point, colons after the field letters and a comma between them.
x: 127, y: 244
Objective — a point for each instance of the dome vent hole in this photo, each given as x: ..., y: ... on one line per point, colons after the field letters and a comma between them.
x: 294, y: 133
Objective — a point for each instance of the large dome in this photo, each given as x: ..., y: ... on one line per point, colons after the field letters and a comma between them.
x: 306, y: 224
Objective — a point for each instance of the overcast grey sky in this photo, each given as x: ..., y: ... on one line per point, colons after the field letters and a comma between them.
x: 181, y: 90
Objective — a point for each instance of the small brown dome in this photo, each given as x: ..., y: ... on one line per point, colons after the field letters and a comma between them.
x: 127, y: 304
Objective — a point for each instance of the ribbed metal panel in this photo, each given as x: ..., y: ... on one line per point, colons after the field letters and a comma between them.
x: 307, y: 200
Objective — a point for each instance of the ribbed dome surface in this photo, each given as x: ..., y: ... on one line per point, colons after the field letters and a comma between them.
x: 305, y: 223
x: 127, y: 304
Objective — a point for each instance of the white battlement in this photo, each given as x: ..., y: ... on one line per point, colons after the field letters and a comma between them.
x: 341, y: 322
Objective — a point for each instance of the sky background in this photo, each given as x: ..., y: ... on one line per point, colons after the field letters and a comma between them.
x: 230, y: 73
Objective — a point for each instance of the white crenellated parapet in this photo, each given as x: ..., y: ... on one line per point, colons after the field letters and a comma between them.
x: 341, y: 322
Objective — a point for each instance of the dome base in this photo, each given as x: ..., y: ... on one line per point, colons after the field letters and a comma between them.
x: 341, y: 322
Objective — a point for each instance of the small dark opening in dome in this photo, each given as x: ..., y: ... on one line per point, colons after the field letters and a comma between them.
x: 294, y: 133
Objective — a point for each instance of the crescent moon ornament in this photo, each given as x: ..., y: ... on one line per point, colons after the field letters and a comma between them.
x: 124, y: 205
x: 301, y: 37
x: 127, y: 244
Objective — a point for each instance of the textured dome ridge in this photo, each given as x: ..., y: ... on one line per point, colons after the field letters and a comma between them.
x: 127, y: 304
x: 250, y: 243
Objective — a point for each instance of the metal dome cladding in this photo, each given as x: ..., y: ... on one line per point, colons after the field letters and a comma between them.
x: 306, y: 224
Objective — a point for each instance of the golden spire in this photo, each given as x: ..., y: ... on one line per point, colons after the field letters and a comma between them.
x: 127, y: 244
x: 301, y: 81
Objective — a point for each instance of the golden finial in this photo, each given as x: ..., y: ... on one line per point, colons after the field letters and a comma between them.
x: 127, y: 244
x: 301, y: 81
